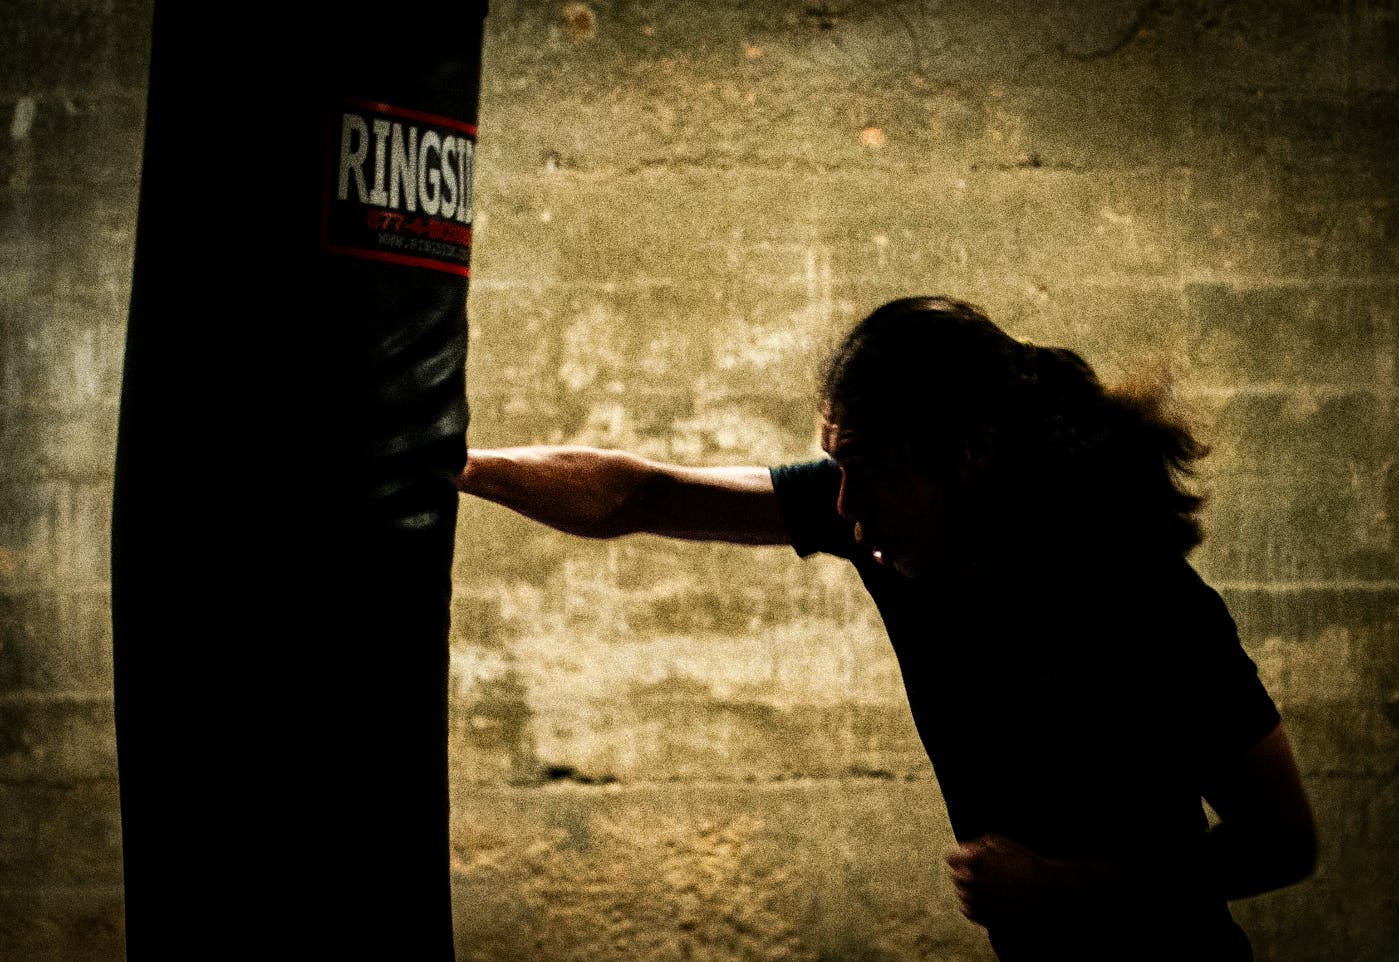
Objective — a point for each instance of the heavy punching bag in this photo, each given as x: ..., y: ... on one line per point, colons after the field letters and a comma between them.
x: 293, y: 410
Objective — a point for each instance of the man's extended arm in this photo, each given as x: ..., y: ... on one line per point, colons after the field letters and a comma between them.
x: 598, y: 493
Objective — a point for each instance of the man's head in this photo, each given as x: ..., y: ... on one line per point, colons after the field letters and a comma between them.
x: 960, y: 444
x: 913, y: 401
x: 900, y: 513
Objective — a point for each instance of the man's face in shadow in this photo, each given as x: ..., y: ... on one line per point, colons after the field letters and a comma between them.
x: 901, y: 514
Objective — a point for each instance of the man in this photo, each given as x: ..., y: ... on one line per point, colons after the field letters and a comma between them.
x: 1078, y: 688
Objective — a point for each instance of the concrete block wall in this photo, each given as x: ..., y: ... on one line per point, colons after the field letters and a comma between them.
x: 675, y: 751
x: 72, y: 105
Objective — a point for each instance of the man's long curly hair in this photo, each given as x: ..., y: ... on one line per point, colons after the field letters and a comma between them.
x: 1066, y: 456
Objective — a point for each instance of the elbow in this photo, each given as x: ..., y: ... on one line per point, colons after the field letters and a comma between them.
x: 1294, y: 856
x: 600, y: 522
x: 1302, y: 844
x: 602, y: 527
x: 625, y: 502
x: 1305, y: 852
x: 631, y: 511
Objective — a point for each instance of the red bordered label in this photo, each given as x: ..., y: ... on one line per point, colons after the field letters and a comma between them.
x: 398, y: 187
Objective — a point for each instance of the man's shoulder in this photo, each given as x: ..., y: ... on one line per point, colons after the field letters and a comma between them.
x: 807, y: 470
x: 807, y: 485
x: 806, y: 498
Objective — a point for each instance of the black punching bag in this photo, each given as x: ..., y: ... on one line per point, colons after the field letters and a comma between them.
x: 293, y: 409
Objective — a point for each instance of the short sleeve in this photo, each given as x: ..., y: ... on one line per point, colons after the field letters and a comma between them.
x: 1228, y: 710
x: 806, y: 498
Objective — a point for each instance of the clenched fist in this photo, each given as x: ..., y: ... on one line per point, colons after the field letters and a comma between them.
x: 1001, y: 882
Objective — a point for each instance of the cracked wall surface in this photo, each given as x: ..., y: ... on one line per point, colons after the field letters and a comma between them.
x: 681, y: 751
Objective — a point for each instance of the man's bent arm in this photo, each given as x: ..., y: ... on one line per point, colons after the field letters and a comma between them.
x: 598, y: 493
x: 1266, y: 837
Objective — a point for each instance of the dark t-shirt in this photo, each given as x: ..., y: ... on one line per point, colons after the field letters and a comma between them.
x: 1078, y: 706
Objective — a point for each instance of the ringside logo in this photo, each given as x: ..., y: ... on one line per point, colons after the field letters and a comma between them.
x: 399, y: 187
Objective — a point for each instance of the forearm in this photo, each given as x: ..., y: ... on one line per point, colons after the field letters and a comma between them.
x: 1265, y: 838
x: 582, y: 491
x: 999, y: 879
x: 1227, y: 863
x: 1238, y: 864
